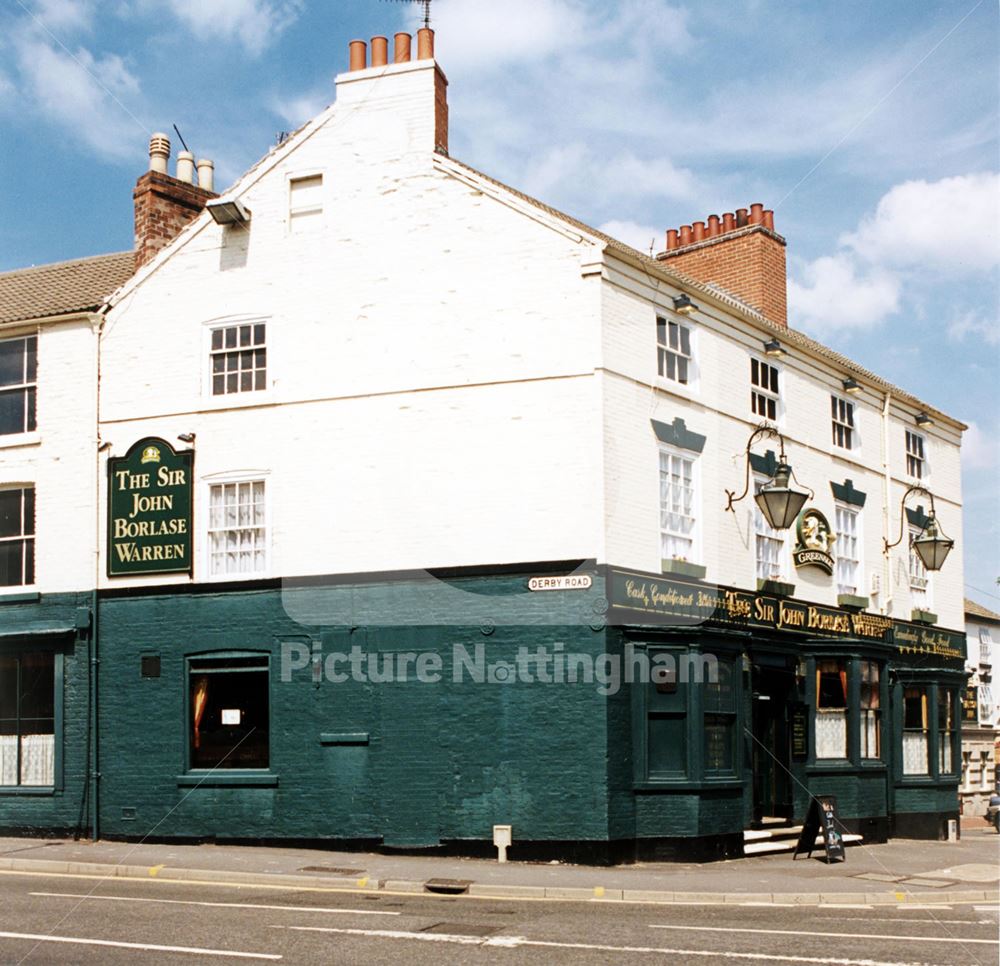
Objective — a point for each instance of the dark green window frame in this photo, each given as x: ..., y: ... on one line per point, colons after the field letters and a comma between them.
x: 16, y: 654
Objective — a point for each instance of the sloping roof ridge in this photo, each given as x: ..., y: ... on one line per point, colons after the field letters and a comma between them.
x: 972, y: 609
x: 793, y: 336
x: 66, y: 263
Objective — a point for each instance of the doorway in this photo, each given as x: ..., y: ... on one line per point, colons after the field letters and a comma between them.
x: 772, y: 692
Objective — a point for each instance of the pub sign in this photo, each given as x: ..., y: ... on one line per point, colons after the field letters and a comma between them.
x: 149, y: 510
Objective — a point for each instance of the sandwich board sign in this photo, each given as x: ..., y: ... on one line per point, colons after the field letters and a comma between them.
x: 821, y: 820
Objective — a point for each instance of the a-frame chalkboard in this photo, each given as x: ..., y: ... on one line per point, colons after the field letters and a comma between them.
x: 821, y: 819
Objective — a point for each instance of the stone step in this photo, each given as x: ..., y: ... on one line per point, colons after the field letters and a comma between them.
x: 770, y: 847
x: 767, y: 834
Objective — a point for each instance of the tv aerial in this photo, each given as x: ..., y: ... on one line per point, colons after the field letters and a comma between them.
x: 426, y: 4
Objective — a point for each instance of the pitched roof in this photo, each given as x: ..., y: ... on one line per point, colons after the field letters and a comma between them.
x: 62, y: 288
x: 791, y: 336
x: 972, y: 609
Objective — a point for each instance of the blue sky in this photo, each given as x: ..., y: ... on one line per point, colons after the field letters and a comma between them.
x: 871, y: 128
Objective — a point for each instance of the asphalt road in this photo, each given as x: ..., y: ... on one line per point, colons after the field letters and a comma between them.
x: 64, y: 919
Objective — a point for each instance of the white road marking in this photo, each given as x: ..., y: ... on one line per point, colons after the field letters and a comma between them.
x: 913, y: 905
x: 837, y: 935
x: 987, y: 908
x: 520, y: 942
x: 146, y: 947
x: 895, y: 919
x: 217, y: 905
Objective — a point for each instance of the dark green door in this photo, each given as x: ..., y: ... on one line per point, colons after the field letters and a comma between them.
x: 772, y: 787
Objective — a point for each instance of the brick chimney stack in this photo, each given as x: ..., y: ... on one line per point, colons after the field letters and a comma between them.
x: 163, y: 204
x: 741, y: 253
x: 415, y: 100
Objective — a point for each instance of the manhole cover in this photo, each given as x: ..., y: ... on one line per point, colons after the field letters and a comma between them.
x: 448, y: 887
x: 330, y: 870
x: 461, y: 929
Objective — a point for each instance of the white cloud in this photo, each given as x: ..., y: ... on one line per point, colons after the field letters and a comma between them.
x: 951, y: 225
x: 836, y: 293
x: 63, y: 14
x: 252, y: 23
x: 79, y: 92
x: 970, y: 324
x: 297, y: 109
x: 638, y: 236
x: 980, y: 451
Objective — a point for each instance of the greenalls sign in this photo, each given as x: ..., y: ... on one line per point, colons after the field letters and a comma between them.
x: 814, y: 541
x: 149, y: 510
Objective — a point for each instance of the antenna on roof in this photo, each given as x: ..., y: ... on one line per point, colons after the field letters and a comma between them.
x: 181, y: 136
x: 426, y: 4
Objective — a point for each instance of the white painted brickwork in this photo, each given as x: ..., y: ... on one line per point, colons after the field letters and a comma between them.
x: 454, y: 379
x: 60, y: 459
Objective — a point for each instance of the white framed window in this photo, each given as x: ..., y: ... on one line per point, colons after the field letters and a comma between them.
x: 18, y: 385
x: 674, y: 355
x: 238, y: 531
x: 842, y: 412
x: 17, y: 536
x: 305, y: 203
x: 848, y: 549
x: 915, y: 465
x: 238, y: 358
x: 678, y: 506
x: 769, y: 543
x: 765, y: 395
x: 919, y: 581
x: 871, y: 701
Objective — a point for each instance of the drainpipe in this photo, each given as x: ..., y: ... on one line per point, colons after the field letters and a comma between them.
x: 95, y: 623
x: 886, y: 494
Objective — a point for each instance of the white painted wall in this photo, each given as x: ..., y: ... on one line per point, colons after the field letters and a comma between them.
x: 60, y: 459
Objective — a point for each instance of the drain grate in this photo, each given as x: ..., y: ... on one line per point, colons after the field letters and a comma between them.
x: 461, y: 929
x: 448, y: 887
x: 330, y: 870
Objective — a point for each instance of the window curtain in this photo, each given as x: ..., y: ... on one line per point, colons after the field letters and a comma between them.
x: 915, y: 753
x: 8, y: 759
x: 831, y: 734
x: 198, y: 701
x: 38, y: 759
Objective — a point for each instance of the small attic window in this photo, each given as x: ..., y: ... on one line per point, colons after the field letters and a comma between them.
x: 305, y: 203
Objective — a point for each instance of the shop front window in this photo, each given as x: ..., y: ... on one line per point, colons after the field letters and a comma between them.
x: 719, y: 699
x: 228, y: 710
x: 915, y: 753
x: 27, y: 718
x: 831, y: 708
x: 666, y: 720
x: 870, y: 710
x: 946, y: 730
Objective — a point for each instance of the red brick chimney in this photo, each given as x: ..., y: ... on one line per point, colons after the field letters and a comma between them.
x: 163, y: 204
x: 740, y: 253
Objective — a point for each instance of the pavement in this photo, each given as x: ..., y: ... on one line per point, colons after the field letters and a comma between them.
x: 895, y: 873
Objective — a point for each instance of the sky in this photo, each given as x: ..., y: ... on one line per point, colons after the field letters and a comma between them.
x: 870, y: 127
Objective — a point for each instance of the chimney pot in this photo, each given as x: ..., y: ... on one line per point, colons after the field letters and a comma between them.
x: 159, y: 152
x: 757, y: 214
x: 401, y: 48
x: 741, y: 217
x: 185, y: 167
x: 671, y: 239
x: 206, y: 174
x: 698, y: 228
x: 685, y: 235
x: 359, y: 55
x: 425, y: 44
x: 769, y: 219
x: 728, y: 222
x: 713, y: 226
x: 380, y: 51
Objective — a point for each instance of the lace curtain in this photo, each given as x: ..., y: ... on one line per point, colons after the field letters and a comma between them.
x: 831, y: 734
x: 37, y: 760
x: 914, y: 753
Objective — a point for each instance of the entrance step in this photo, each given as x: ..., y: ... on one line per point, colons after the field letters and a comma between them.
x: 770, y: 841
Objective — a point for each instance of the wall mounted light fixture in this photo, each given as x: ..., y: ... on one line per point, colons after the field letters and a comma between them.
x: 852, y: 386
x: 778, y: 500
x: 924, y: 420
x: 774, y: 348
x: 186, y: 437
x: 683, y: 305
x: 931, y: 544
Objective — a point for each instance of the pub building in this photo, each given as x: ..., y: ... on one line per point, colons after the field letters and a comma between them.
x: 500, y: 522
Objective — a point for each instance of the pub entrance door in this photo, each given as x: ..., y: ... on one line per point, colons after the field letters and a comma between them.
x: 773, y: 691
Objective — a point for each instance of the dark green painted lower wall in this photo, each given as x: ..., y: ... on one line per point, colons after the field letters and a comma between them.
x: 27, y: 625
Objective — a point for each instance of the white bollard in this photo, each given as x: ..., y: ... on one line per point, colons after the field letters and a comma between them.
x: 501, y: 839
